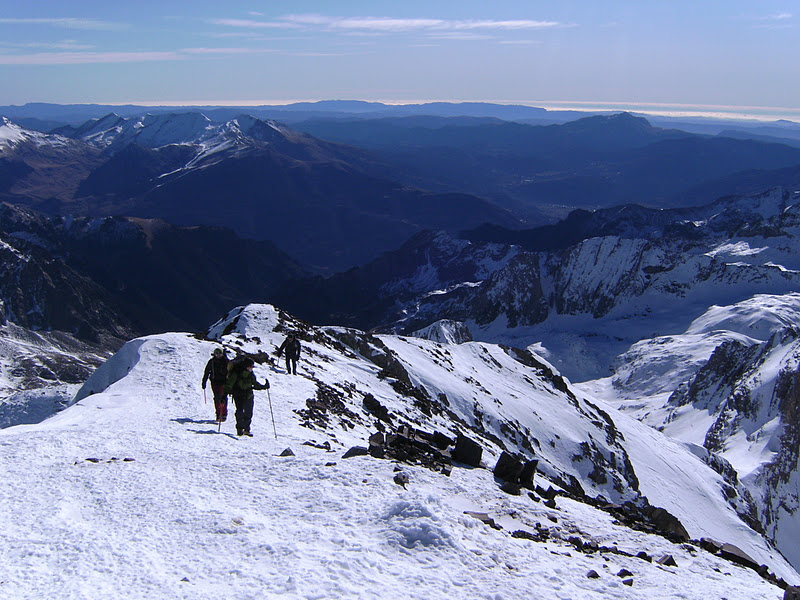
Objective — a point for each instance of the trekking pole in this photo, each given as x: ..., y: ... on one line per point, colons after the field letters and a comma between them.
x: 204, y: 396
x: 269, y: 399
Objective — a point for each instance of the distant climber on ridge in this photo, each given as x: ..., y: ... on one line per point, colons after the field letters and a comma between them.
x: 217, y: 372
x: 292, y: 347
x: 240, y: 385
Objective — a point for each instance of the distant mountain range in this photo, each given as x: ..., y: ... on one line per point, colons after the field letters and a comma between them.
x: 318, y: 201
x: 542, y: 172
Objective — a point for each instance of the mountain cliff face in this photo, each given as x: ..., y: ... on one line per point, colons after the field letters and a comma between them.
x: 67, y: 273
x: 624, y: 281
x: 740, y: 405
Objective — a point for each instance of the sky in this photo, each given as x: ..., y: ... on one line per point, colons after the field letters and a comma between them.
x: 733, y: 56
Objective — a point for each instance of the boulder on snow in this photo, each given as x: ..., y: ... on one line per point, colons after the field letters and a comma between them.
x: 467, y: 451
x: 667, y: 524
x: 508, y: 467
x: 512, y: 469
x: 738, y: 556
x: 356, y: 451
x: 374, y: 407
x: 667, y: 560
x: 401, y: 479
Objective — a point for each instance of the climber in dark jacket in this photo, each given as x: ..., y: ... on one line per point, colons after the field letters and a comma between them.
x: 217, y: 372
x: 240, y: 384
x: 292, y: 347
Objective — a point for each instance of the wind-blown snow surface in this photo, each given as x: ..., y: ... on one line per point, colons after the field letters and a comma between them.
x: 197, y: 513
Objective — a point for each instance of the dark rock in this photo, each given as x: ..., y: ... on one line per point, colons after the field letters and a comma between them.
x: 575, y: 541
x: 508, y: 467
x: 791, y: 593
x: 624, y: 573
x: 548, y: 494
x: 287, y: 452
x: 550, y: 503
x: 738, y: 556
x: 644, y: 556
x: 323, y: 446
x: 668, y: 525
x: 377, y: 451
x: 526, y: 535
x: 511, y: 488
x: 441, y: 441
x: 374, y: 407
x: 467, y: 451
x: 709, y: 545
x: 356, y: 451
x: 667, y: 560
x: 330, y: 464
x: 593, y: 574
x: 628, y: 582
x: 93, y: 459
x: 528, y: 473
x: 483, y: 517
x: 401, y: 479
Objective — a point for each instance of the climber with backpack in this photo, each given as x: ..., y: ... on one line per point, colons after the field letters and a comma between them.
x: 292, y: 347
x: 217, y: 372
x: 240, y: 384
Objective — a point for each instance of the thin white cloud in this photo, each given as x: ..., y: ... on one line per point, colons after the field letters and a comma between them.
x: 388, y: 24
x: 251, y: 24
x: 224, y: 51
x: 65, y: 45
x: 504, y: 25
x: 83, y: 58
x: 460, y: 35
x: 70, y: 23
x: 520, y: 42
x: 80, y: 58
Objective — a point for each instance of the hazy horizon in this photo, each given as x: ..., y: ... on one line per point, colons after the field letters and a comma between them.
x: 736, y: 59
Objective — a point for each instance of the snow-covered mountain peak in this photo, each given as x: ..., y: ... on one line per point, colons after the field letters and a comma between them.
x: 12, y: 135
x: 445, y: 331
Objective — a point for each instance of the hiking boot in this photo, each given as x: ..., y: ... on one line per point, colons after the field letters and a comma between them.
x: 248, y: 434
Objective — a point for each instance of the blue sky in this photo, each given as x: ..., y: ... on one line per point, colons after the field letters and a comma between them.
x: 674, y: 55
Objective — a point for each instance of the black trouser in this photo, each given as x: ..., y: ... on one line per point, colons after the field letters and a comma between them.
x: 244, y: 411
x: 291, y: 364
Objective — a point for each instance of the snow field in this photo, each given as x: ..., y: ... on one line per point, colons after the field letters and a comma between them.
x: 203, y: 514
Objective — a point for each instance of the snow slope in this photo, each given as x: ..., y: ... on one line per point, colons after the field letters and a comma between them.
x: 132, y: 492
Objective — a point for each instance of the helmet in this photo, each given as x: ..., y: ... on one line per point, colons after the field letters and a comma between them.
x: 218, y: 352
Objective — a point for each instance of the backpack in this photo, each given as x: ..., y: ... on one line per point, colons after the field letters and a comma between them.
x: 237, y: 364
